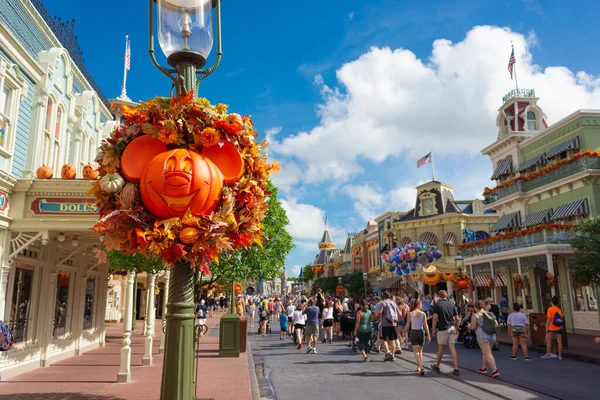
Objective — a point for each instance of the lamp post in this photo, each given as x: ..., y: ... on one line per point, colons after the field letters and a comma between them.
x: 365, y: 283
x: 459, y: 263
x: 185, y: 36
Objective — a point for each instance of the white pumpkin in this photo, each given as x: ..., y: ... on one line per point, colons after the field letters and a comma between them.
x: 112, y: 183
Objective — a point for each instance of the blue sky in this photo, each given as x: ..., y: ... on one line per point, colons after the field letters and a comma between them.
x: 351, y: 93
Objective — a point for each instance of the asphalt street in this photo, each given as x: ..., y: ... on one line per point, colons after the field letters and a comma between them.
x: 337, y: 373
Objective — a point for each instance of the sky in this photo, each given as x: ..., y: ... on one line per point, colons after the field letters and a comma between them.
x: 351, y: 93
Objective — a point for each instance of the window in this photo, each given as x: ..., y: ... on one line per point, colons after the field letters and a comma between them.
x: 4, y: 110
x: 56, y: 162
x: 92, y: 151
x: 531, y: 121
x: 20, y: 307
x: 61, y: 304
x: 47, y: 144
x: 88, y: 311
x: 584, y: 298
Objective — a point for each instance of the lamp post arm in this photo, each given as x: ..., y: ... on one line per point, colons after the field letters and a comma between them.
x: 206, y: 72
x: 162, y: 69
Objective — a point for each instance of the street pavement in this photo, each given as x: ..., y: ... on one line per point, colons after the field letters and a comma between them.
x: 335, y: 372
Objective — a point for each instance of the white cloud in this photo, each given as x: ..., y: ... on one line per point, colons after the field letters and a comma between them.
x: 403, y: 198
x: 293, y: 271
x: 350, y: 16
x: 448, y: 102
x: 306, y: 220
x: 368, y: 200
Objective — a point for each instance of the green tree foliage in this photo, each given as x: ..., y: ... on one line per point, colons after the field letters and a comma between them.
x: 308, y: 273
x: 355, y: 284
x: 327, y: 284
x: 586, y: 265
x: 121, y: 261
x: 258, y: 262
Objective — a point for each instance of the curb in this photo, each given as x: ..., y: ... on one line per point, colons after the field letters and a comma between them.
x: 565, y: 354
x: 253, y: 378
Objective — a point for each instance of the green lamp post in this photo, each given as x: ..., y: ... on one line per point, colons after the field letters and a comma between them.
x: 185, y: 36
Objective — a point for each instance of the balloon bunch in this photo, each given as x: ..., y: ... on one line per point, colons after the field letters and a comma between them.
x: 413, y: 257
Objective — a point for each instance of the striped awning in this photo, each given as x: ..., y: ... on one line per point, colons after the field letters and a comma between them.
x: 508, y: 221
x: 540, y: 217
x: 572, y: 209
x: 571, y: 144
x: 500, y: 279
x: 504, y: 168
x: 539, y: 159
x: 405, y: 240
x: 482, y: 279
x: 450, y: 238
x: 428, y: 238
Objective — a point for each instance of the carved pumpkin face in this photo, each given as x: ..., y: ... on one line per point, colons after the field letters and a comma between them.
x: 44, y: 172
x: 89, y: 172
x: 68, y: 171
x: 178, y: 179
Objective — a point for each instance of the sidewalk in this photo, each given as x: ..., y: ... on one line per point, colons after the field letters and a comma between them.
x: 93, y: 375
x: 581, y: 347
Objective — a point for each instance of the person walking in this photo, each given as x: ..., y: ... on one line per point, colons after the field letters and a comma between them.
x: 445, y: 322
x: 290, y: 313
x: 328, y: 322
x: 263, y: 316
x: 387, y: 312
x: 271, y: 309
x: 337, y: 317
x: 416, y: 324
x: 484, y: 324
x: 518, y: 330
x: 251, y: 311
x: 283, y: 324
x: 554, y: 329
x: 311, y: 330
x: 278, y: 308
x: 299, y: 324
x: 403, y: 311
x: 363, y: 330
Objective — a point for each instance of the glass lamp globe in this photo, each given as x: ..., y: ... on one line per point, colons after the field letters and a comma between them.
x: 185, y: 30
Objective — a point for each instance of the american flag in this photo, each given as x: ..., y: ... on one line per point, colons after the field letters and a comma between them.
x: 424, y: 160
x: 511, y: 62
x: 127, y: 55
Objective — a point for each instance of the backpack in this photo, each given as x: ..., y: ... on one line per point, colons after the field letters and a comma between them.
x: 7, y: 343
x: 489, y: 323
x: 558, y: 319
x: 390, y: 313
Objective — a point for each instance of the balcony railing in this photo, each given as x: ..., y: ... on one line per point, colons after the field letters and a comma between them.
x: 583, y: 164
x: 534, y: 239
x: 518, y: 93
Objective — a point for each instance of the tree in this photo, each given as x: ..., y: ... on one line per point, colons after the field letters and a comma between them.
x: 259, y: 262
x: 121, y: 261
x: 308, y: 273
x: 327, y: 284
x: 586, y: 242
x: 355, y: 284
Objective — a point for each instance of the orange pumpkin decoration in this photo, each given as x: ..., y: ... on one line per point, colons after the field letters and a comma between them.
x: 340, y: 290
x: 189, y: 235
x: 44, y: 172
x: 237, y: 288
x: 68, y: 171
x: 225, y: 155
x: 138, y: 154
x: 89, y: 172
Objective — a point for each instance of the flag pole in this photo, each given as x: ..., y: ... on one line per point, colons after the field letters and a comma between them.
x: 515, y: 70
x: 123, y: 95
x: 432, y: 166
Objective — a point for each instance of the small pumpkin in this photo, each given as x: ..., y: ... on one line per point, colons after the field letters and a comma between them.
x: 44, y: 172
x: 89, y: 172
x: 68, y: 171
x: 189, y: 235
x: 111, y: 183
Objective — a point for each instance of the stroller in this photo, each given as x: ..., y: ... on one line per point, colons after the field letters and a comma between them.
x: 267, y: 328
x: 467, y: 336
x: 347, y: 323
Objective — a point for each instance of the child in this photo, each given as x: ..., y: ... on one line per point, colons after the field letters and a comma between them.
x: 283, y: 324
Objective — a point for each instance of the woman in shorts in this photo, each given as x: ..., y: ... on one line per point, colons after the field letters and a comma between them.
x: 485, y: 340
x: 328, y: 322
x: 299, y: 322
x: 337, y: 315
x: 416, y: 324
x: 518, y: 329
x: 403, y: 311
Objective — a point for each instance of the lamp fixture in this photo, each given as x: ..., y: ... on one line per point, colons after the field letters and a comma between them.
x: 75, y: 242
x: 61, y: 237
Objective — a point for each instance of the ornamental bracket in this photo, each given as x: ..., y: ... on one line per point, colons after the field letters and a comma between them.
x: 22, y: 241
x: 71, y: 254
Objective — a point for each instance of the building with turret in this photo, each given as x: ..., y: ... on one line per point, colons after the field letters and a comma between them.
x: 323, y: 263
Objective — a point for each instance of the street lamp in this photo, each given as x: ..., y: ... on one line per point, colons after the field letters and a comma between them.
x: 186, y: 38
x: 339, y: 280
x: 365, y: 283
x: 459, y: 262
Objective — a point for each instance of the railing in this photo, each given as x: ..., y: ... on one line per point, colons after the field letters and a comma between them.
x: 534, y: 239
x: 580, y: 165
x: 518, y: 93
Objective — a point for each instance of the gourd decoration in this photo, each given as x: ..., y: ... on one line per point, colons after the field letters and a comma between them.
x: 111, y: 183
x: 183, y: 180
x: 44, y: 172
x: 89, y: 172
x: 68, y: 171
x: 237, y: 288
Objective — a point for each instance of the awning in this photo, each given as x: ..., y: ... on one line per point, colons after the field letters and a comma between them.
x: 450, y: 239
x: 428, y: 238
x: 504, y: 167
x: 386, y: 283
x: 405, y: 240
x: 532, y: 162
x: 540, y: 217
x: 571, y: 144
x: 508, y: 221
x: 500, y: 278
x: 482, y: 279
x: 572, y: 209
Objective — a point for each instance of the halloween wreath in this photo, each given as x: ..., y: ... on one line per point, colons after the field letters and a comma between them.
x: 183, y: 180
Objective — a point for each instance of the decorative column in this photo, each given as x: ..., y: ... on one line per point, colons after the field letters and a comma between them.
x: 4, y: 270
x: 161, y: 349
x: 147, y: 360
x: 493, y: 277
x: 78, y: 309
x: 124, y: 374
x: 550, y: 263
x: 50, y: 307
x: 523, y: 292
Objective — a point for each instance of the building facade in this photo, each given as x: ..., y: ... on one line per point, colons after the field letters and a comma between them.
x: 547, y: 179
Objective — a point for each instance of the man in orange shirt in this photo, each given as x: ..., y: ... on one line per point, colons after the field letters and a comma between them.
x: 554, y: 329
